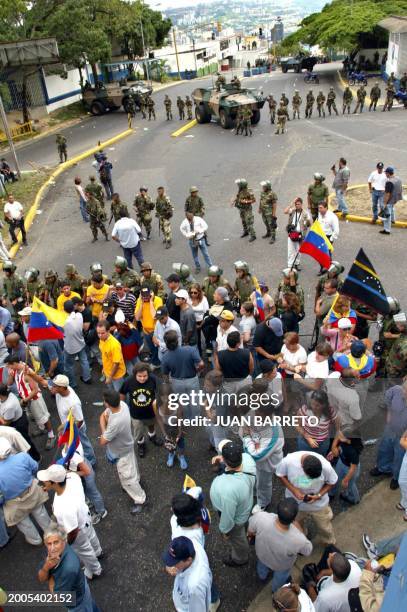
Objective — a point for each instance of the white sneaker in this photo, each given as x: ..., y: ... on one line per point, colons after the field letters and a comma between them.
x: 34, y: 542
x: 214, y: 606
x: 88, y: 575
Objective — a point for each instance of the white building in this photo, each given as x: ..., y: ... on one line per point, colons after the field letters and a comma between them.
x: 397, y: 49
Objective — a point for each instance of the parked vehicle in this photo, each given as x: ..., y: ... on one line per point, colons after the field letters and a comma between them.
x: 357, y: 78
x: 401, y: 96
x: 110, y: 97
x: 298, y: 63
x: 224, y: 104
x: 311, y: 77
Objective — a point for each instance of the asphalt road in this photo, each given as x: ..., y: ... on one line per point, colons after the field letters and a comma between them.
x: 211, y: 158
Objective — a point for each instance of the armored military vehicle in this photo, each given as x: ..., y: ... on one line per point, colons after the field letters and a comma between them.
x: 110, y: 97
x: 224, y: 104
x: 298, y: 63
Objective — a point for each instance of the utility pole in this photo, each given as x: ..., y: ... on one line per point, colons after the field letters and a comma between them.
x: 9, y: 137
x: 176, y: 52
x: 193, y: 47
x: 142, y: 40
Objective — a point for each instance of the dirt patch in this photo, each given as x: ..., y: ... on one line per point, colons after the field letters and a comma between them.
x: 360, y: 203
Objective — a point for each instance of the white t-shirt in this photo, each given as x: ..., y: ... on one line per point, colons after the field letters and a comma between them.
x: 378, y: 180
x: 333, y: 596
x: 10, y: 409
x: 70, y: 402
x: 294, y: 359
x: 316, y: 369
x: 192, y: 587
x: 195, y: 534
x: 200, y: 309
x: 291, y: 468
x: 70, y: 508
x: 15, y: 210
x: 248, y: 324
x: 221, y: 337
x: 127, y: 231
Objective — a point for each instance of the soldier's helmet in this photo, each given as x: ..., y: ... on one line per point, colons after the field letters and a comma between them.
x: 142, y: 188
x: 394, y: 305
x: 215, y: 271
x: 377, y: 82
x: 181, y: 269
x: 287, y: 272
x: 266, y: 185
x: 95, y: 267
x: 193, y: 189
x: 318, y: 176
x: 241, y: 182
x: 70, y: 269
x: 146, y: 266
x: 187, y: 97
x: 50, y: 273
x: 282, y: 103
x: 9, y: 266
x: 31, y: 274
x: 296, y: 91
x: 310, y: 91
x: 92, y: 178
x: 241, y: 265
x: 336, y: 268
x: 121, y: 263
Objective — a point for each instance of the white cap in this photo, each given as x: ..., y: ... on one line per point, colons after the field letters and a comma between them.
x: 119, y: 316
x: 222, y: 444
x: 25, y: 312
x: 5, y: 448
x: 182, y: 293
x: 61, y: 380
x: 55, y: 473
x: 344, y: 323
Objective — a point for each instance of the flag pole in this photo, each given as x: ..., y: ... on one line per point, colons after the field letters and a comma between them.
x: 295, y: 259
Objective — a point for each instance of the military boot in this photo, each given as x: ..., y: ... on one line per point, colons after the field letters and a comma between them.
x: 245, y: 233
x: 267, y: 234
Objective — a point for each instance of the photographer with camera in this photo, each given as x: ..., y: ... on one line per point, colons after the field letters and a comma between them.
x: 299, y: 220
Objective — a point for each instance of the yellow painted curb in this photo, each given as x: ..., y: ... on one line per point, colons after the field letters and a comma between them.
x: 184, y: 128
x: 29, y: 218
x: 360, y: 218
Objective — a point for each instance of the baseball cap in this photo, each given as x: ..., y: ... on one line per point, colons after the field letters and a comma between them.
x: 180, y: 550
x: 357, y: 349
x: 61, y: 380
x: 182, y: 293
x: 118, y: 285
x: 161, y: 312
x: 173, y: 278
x: 344, y: 323
x: 145, y: 291
x: 5, y: 448
x: 232, y: 454
x: 55, y: 473
x: 25, y: 312
x: 227, y: 315
x: 380, y: 165
x: 390, y: 169
x: 276, y: 326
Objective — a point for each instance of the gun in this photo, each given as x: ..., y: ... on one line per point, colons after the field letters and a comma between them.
x: 159, y: 227
x: 110, y: 220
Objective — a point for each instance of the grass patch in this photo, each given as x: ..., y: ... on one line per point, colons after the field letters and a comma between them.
x: 67, y: 113
x: 24, y: 191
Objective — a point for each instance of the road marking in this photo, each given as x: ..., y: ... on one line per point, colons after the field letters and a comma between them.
x: 184, y: 128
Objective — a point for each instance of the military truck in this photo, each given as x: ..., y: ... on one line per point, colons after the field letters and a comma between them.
x: 224, y: 104
x: 298, y: 63
x: 110, y: 97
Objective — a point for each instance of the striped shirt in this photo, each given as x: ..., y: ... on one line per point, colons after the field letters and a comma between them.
x: 127, y: 304
x: 321, y: 431
x: 23, y: 386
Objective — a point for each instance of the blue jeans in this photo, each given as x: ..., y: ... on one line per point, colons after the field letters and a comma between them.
x: 69, y: 366
x: 323, y: 448
x: 116, y: 383
x: 135, y: 252
x: 377, y: 202
x: 340, y: 199
x: 403, y: 482
x: 204, y: 251
x: 389, y: 545
x: 108, y: 185
x: 84, y: 212
x: 92, y: 492
x: 87, y: 446
x: 351, y: 493
x: 279, y: 578
x: 390, y: 455
x: 3, y: 529
x: 186, y: 385
x: 87, y: 604
x: 148, y: 338
x: 387, y: 222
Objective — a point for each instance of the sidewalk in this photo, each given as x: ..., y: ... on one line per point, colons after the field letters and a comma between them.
x: 376, y: 515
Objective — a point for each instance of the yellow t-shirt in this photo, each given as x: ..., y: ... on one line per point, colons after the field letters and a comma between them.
x: 112, y: 353
x: 147, y: 320
x: 61, y: 299
x: 97, y: 294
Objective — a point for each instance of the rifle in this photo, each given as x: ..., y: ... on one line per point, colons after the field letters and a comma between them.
x: 110, y: 220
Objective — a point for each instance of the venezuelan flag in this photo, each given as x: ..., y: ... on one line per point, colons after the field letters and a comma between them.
x: 189, y: 483
x: 317, y: 245
x: 70, y: 438
x: 46, y: 323
x: 259, y: 299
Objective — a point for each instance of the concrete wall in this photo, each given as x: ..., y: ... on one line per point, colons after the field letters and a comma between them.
x: 397, y: 54
x: 61, y: 92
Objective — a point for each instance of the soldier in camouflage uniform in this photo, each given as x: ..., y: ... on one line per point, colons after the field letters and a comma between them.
x: 96, y: 190
x: 284, y: 100
x: 164, y: 211
x: 220, y: 81
x: 213, y: 281
x: 331, y: 104
x: 321, y: 104
x: 375, y: 94
x: 118, y: 208
x: 236, y: 82
x: 34, y: 286
x: 76, y: 280
x: 194, y: 203
x: 360, y: 96
x: 13, y: 288
x: 144, y: 206
x: 396, y: 362
x: 334, y: 271
x: 392, y: 79
x: 97, y: 216
x: 309, y: 105
x: 288, y: 284
x: 150, y: 107
x: 268, y: 210
x: 62, y: 149
x: 239, y: 121
x: 244, y: 202
x: 185, y: 276
x: 96, y: 274
x: 247, y: 121
x: 125, y: 275
x: 296, y: 103
x: 272, y: 108
x: 347, y: 100
x: 388, y: 334
x: 150, y: 279
x: 282, y: 118
x: 317, y: 192
x: 403, y: 82
x: 390, y: 93
x: 51, y: 287
x: 245, y: 283
x: 143, y: 106
x: 181, y: 108
x: 168, y: 107
x: 188, y: 104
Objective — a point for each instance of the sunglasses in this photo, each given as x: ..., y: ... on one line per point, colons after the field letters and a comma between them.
x: 193, y: 293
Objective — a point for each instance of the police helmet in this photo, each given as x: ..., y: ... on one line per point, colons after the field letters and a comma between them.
x: 182, y: 269
x: 9, y: 266
x: 241, y: 265
x: 31, y: 274
x: 215, y: 271
x: 287, y: 273
x: 394, y: 305
x: 241, y: 182
x: 193, y: 189
x: 121, y: 263
x: 145, y: 266
x: 50, y: 273
x: 95, y: 267
x: 336, y: 268
x: 318, y: 176
x: 266, y: 185
x: 142, y: 188
x: 70, y: 269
